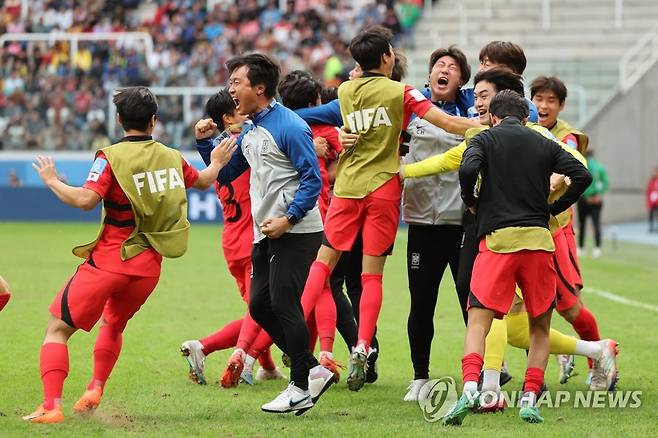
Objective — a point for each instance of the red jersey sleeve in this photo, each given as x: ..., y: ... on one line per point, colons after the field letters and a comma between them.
x: 190, y: 174
x: 414, y: 102
x: 100, y: 176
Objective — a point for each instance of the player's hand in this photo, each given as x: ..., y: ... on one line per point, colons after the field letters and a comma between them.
x: 557, y: 182
x: 346, y: 139
x: 275, y: 227
x: 473, y: 210
x: 46, y: 168
x: 321, y: 147
x: 204, y: 128
x: 223, y: 152
x: 401, y: 172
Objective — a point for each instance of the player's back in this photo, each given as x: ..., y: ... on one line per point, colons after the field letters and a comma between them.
x: 373, y: 107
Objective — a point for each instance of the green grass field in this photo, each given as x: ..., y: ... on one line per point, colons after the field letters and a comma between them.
x: 149, y: 392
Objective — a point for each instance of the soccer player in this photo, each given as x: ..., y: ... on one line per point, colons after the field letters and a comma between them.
x: 367, y: 189
x: 550, y: 94
x: 142, y: 185
x: 237, y: 238
x: 298, y: 89
x: 5, y: 295
x: 433, y: 208
x: 515, y: 243
x: 284, y: 187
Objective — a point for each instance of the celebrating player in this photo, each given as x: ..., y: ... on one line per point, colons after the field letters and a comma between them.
x: 142, y: 185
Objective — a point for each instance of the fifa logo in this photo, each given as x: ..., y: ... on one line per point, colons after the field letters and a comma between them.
x: 364, y: 119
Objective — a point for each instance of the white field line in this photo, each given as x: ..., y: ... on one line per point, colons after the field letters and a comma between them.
x: 618, y: 299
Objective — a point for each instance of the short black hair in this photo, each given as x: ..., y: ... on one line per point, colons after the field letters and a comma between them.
x: 400, y: 66
x: 505, y: 53
x: 502, y: 78
x: 136, y: 106
x: 262, y: 70
x: 508, y: 103
x: 298, y: 89
x: 456, y: 54
x: 328, y: 94
x: 369, y: 45
x: 546, y: 83
x: 218, y: 105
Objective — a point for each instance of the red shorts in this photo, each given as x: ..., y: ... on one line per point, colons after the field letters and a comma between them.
x: 496, y: 275
x: 92, y: 292
x: 241, y: 271
x: 573, y: 254
x: 377, y: 216
x: 567, y: 292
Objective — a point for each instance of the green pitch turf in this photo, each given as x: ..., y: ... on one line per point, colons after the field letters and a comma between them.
x: 149, y: 393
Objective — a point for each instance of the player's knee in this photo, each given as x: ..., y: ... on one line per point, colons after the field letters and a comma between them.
x: 571, y: 313
x: 58, y: 330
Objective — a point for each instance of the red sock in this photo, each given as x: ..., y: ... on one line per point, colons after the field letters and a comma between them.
x: 260, y: 344
x: 325, y: 317
x: 265, y: 360
x: 54, y: 364
x: 586, y: 327
x: 534, y: 380
x: 249, y: 331
x: 471, y: 367
x: 106, y: 353
x: 369, y: 307
x: 4, y: 299
x: 224, y: 338
x: 315, y: 282
x: 312, y: 331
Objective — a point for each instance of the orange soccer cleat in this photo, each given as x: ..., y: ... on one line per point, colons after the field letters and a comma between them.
x: 46, y: 416
x: 233, y: 370
x: 89, y: 401
x: 330, y: 364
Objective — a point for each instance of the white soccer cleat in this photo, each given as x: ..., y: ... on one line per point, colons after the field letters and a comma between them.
x: 263, y: 374
x: 291, y: 399
x: 604, y: 370
x: 319, y: 380
x: 415, y: 391
x: 566, y: 362
x: 596, y: 252
x: 196, y: 360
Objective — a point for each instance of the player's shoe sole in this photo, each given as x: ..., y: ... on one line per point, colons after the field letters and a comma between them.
x: 567, y: 365
x: 87, y: 404
x: 44, y: 416
x: 459, y: 411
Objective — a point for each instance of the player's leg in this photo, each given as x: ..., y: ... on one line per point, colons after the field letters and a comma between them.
x: 78, y: 305
x: 467, y: 254
x: 537, y: 361
x: 325, y: 318
x: 125, y: 301
x: 345, y: 322
x: 596, y: 221
x: 582, y: 208
x: 425, y: 266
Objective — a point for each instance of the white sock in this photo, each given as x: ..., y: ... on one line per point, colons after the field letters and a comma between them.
x: 491, y: 381
x: 591, y: 349
x: 249, y: 362
x: 470, y: 387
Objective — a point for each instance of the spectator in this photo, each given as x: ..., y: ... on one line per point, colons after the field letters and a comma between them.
x: 652, y: 201
x: 591, y: 202
x: 14, y: 181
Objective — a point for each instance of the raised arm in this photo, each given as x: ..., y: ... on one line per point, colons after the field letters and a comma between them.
x: 79, y: 197
x: 445, y: 162
x: 450, y: 123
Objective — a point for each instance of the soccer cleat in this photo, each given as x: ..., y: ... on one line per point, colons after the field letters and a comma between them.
x: 356, y: 377
x: 89, y: 401
x: 371, y: 370
x: 291, y: 399
x: 530, y: 414
x: 596, y: 253
x: 233, y: 370
x: 4, y: 299
x: 196, y: 360
x: 490, y: 402
x: 330, y: 364
x: 567, y: 363
x: 588, y: 379
x: 46, y: 416
x: 604, y: 370
x: 505, y: 377
x: 414, y: 390
x: 460, y: 409
x: 263, y: 374
x: 247, y: 376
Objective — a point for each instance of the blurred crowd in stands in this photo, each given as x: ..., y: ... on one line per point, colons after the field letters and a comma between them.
x: 54, y: 98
